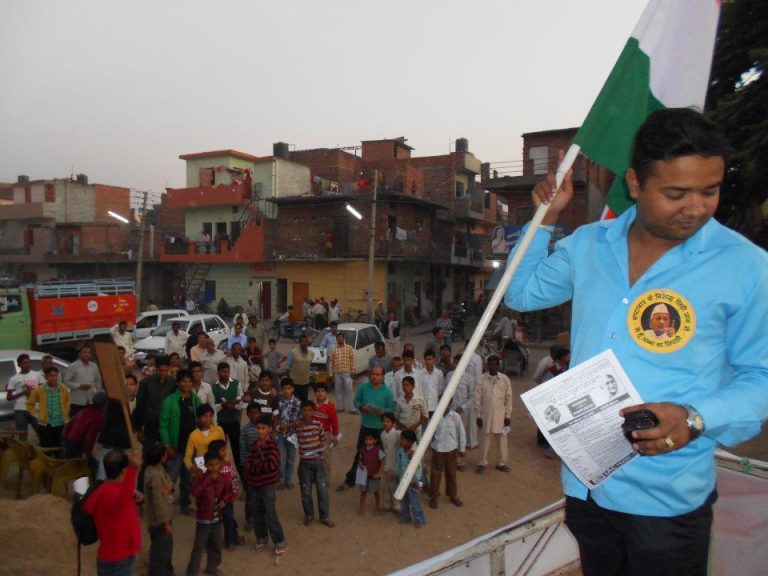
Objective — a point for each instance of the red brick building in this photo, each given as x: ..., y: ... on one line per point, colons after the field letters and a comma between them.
x: 60, y: 229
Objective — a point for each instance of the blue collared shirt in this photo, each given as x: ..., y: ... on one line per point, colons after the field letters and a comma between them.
x: 720, y: 283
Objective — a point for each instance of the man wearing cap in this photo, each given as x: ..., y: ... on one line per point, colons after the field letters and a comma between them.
x: 706, y: 382
x: 660, y: 325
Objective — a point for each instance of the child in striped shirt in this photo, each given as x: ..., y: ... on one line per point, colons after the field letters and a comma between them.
x: 311, y: 437
x: 261, y: 466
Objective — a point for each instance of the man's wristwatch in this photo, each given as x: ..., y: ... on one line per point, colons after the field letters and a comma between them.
x: 695, y: 421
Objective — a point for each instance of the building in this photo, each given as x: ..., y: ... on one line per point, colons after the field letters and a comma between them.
x: 60, y: 229
x: 513, y: 181
x: 228, y: 208
x: 277, y: 229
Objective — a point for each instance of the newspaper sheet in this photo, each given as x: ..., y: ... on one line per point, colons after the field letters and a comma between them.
x: 578, y: 413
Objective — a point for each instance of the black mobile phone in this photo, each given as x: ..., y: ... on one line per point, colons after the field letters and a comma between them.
x: 640, y: 420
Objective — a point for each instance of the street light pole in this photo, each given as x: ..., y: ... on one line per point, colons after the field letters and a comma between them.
x: 372, y: 245
x: 140, y: 257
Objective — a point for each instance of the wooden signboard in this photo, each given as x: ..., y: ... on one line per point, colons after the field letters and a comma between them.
x: 113, y: 377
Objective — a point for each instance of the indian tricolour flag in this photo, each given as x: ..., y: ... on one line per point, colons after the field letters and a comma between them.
x: 665, y: 64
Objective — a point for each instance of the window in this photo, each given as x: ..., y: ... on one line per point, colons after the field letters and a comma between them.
x: 212, y: 325
x: 50, y: 193
x: 147, y: 322
x: 209, y: 290
x: 372, y: 335
x: 257, y: 188
x: 523, y: 215
x: 362, y: 340
x: 7, y: 369
x: 487, y: 199
x: 460, y: 190
x: 539, y: 159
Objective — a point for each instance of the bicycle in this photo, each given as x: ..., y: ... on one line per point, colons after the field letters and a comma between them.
x: 354, y: 315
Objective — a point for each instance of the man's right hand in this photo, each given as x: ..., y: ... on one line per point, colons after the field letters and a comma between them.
x: 479, y: 422
x: 544, y: 193
x: 84, y: 387
x: 134, y: 458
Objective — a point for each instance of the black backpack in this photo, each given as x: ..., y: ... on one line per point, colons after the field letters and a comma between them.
x: 82, y: 522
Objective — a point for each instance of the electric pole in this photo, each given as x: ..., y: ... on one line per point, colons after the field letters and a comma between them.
x: 372, y: 245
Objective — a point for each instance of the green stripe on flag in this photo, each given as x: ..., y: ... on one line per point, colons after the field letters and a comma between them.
x: 621, y: 107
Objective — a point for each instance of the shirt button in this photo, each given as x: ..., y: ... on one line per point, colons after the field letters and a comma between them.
x: 613, y: 335
x: 625, y: 301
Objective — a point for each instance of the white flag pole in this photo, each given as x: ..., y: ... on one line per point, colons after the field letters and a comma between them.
x: 485, y: 320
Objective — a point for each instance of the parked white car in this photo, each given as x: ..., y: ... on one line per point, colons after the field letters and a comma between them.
x: 148, y: 321
x: 362, y: 337
x: 211, y: 324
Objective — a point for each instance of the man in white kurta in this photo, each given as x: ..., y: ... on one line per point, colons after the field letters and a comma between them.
x: 493, y: 407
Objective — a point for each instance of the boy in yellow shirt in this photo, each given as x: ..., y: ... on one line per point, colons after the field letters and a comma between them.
x: 206, y: 432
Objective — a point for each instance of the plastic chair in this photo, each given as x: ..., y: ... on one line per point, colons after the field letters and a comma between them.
x: 26, y: 459
x: 60, y: 471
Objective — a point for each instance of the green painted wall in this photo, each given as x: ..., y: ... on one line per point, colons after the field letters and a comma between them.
x: 193, y: 168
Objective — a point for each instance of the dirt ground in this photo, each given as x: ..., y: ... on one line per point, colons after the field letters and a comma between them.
x: 37, y: 538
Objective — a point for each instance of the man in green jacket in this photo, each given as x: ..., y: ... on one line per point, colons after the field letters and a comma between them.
x: 177, y: 421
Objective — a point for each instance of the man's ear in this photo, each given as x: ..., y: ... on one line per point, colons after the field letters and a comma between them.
x: 632, y: 183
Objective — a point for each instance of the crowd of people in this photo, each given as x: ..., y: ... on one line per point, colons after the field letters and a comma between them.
x: 198, y: 451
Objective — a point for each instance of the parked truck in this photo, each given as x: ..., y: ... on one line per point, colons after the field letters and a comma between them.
x: 57, y: 315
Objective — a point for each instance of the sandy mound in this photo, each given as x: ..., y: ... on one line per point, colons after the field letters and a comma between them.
x: 38, y: 537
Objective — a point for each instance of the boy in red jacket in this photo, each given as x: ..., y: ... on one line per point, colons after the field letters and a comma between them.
x: 211, y: 493
x: 114, y: 514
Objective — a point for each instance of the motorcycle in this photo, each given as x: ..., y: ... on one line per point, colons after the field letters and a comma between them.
x: 458, y: 320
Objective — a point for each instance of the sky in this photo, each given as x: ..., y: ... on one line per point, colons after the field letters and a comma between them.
x: 118, y: 90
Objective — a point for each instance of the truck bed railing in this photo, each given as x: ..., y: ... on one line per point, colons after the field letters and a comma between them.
x: 84, y: 288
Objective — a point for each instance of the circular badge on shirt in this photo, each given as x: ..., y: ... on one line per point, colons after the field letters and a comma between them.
x: 661, y: 321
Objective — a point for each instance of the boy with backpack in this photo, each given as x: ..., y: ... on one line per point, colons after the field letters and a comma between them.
x: 114, y: 514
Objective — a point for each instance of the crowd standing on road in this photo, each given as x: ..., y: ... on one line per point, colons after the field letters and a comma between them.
x: 200, y: 454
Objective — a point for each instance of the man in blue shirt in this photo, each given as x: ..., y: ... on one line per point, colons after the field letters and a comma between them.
x: 373, y: 399
x: 705, y: 377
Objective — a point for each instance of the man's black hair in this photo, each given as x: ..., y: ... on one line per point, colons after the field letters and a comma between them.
x: 194, y: 364
x: 153, y: 453
x: 163, y: 361
x: 222, y: 366
x: 265, y: 420
x: 50, y: 369
x: 429, y: 353
x: 321, y: 386
x: 435, y: 330
x: 21, y: 357
x: 674, y: 132
x: 407, y: 354
x: 409, y: 435
x: 216, y: 445
x: 307, y: 404
x: 253, y: 405
x: 211, y: 455
x: 390, y: 415
x: 183, y: 373
x: 204, y: 409
x: 410, y: 380
x: 114, y: 463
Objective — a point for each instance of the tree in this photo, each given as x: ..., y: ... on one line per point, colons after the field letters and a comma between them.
x: 738, y: 101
